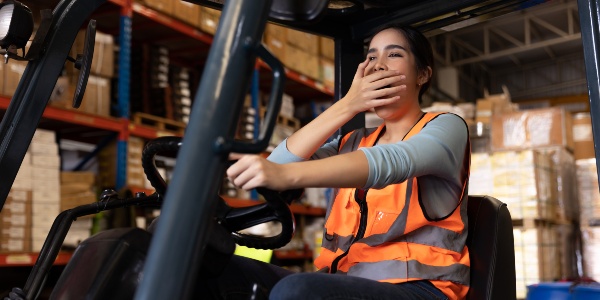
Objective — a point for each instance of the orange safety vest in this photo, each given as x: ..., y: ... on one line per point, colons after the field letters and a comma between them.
x: 384, y: 235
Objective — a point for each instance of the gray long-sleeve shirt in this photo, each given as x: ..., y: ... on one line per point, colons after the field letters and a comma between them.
x: 435, y: 155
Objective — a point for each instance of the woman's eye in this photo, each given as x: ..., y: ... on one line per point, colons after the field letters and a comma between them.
x: 371, y: 58
x: 395, y: 55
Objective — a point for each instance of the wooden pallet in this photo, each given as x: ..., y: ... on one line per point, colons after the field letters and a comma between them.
x: 289, y: 122
x: 158, y: 122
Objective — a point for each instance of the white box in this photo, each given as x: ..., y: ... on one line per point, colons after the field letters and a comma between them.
x: 46, y: 160
x: 43, y: 221
x: 45, y: 208
x: 45, y: 173
x: 43, y: 148
x: 15, y: 232
x: 46, y: 196
x: 44, y: 135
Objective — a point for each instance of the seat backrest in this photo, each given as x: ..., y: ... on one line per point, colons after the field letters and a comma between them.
x: 491, y: 249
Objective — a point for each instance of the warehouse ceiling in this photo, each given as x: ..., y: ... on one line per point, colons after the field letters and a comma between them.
x: 546, y: 31
x: 536, y: 52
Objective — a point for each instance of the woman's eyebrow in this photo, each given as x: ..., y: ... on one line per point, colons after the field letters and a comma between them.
x: 388, y: 47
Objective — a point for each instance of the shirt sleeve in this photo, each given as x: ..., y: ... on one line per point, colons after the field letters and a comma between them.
x: 438, y: 150
x: 282, y: 155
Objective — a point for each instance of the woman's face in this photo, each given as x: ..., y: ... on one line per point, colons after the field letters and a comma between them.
x: 389, y: 50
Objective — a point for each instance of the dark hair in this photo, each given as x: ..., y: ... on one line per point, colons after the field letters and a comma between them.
x: 420, y: 48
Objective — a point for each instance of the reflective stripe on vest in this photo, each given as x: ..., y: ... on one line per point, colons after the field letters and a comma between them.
x: 400, y: 244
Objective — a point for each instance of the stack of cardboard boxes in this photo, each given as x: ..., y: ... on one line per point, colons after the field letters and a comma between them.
x: 107, y: 165
x: 34, y: 200
x: 97, y: 96
x: 45, y: 162
x: 307, y: 54
x: 589, y: 193
x: 531, y: 167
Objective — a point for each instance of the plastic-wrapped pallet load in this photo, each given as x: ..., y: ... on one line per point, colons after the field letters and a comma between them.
x: 589, y: 202
x: 536, y: 256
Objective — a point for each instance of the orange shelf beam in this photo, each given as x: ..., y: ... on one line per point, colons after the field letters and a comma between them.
x: 172, y: 23
x: 75, y: 117
x: 29, y: 259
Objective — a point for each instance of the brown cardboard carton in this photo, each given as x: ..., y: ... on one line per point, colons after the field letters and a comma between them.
x: 327, y: 48
x: 2, y: 64
x: 301, y: 61
x: 327, y: 72
x: 160, y: 5
x: 12, y: 74
x: 583, y: 138
x: 275, y: 40
x: 103, y: 62
x: 96, y: 99
x: 536, y: 128
x: 302, y: 40
x: 187, y: 12
x: 209, y: 19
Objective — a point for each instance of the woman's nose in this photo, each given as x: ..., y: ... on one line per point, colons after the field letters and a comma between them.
x: 379, y: 66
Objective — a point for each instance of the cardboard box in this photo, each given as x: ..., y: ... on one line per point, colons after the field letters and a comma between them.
x: 302, y: 40
x: 96, y: 99
x: 583, y: 137
x: 2, y: 78
x: 43, y: 148
x: 209, y: 19
x: 536, y: 128
x: 15, y: 232
x: 15, y: 245
x: 88, y: 177
x: 19, y: 195
x: 103, y: 62
x: 186, y: 12
x: 12, y: 75
x: 483, y: 111
x: 159, y: 5
x: 47, y: 161
x: 301, y: 61
x: 43, y: 135
x: 275, y: 40
x: 327, y: 72
x: 327, y: 48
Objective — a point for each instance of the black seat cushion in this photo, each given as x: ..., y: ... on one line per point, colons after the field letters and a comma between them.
x: 491, y: 249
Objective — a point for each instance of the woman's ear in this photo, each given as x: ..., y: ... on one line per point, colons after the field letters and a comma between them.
x: 425, y: 76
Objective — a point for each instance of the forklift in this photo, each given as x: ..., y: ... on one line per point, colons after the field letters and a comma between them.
x: 110, y: 264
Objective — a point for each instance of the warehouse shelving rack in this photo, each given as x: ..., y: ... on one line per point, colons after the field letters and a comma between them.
x: 207, y: 147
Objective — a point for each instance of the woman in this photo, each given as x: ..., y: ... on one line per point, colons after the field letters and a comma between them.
x: 397, y: 227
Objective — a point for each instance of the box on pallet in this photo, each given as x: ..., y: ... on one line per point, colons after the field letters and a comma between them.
x: 537, y: 256
x: 532, y: 128
x: 535, y: 183
x: 587, y: 187
x: 591, y: 251
x: 583, y: 137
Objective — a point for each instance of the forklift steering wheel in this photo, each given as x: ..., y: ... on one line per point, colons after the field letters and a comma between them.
x: 276, y: 208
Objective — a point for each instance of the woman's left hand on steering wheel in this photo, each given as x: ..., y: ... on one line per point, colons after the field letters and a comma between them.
x: 252, y: 171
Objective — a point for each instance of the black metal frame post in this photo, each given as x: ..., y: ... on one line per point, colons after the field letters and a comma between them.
x: 35, y: 87
x: 177, y: 246
x: 348, y: 54
x: 589, y: 19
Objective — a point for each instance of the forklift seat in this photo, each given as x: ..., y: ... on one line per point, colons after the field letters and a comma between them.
x: 491, y: 249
